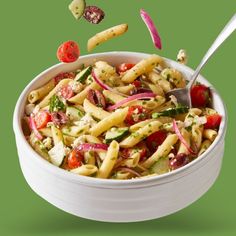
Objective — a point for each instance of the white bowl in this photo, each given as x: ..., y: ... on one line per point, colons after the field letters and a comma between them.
x: 118, y: 200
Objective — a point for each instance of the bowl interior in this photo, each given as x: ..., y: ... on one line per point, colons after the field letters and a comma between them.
x: 113, y: 58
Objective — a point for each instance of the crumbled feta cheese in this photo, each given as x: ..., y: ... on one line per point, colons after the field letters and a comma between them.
x: 86, y: 120
x: 198, y: 120
x: 76, y: 86
x: 78, y: 141
x: 182, y: 56
x: 57, y: 154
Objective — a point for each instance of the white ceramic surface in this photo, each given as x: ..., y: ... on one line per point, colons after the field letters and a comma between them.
x: 118, y: 200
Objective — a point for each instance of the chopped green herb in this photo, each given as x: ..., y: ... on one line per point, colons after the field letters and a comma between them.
x: 56, y: 104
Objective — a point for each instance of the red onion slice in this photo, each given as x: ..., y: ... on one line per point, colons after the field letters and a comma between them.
x: 92, y: 147
x: 34, y: 128
x: 131, y: 98
x: 152, y: 28
x: 104, y: 86
x: 181, y: 138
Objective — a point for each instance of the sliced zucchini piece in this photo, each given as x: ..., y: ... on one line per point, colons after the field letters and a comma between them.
x: 171, y: 112
x: 116, y: 134
x: 83, y: 75
x: 77, y: 8
x: 160, y: 167
x: 74, y: 113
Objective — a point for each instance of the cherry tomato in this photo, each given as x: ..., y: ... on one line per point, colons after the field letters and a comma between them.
x: 200, y: 95
x: 213, y: 121
x: 41, y: 119
x: 68, y: 52
x: 137, y: 83
x: 124, y: 67
x: 75, y: 159
x: 66, y: 91
x: 156, y: 139
x: 136, y: 114
x: 61, y: 76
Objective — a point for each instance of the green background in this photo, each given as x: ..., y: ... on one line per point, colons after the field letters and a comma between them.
x: 30, y: 34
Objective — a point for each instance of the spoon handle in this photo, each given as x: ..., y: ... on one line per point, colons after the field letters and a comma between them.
x: 225, y: 33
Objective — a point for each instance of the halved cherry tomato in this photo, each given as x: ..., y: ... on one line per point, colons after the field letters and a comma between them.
x: 156, y: 139
x: 213, y: 121
x: 136, y: 114
x: 200, y: 95
x: 124, y: 67
x: 41, y: 119
x: 68, y: 52
x: 61, y: 76
x: 75, y: 159
x: 66, y: 91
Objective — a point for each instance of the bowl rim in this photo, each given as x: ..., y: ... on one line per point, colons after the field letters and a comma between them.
x: 112, y: 183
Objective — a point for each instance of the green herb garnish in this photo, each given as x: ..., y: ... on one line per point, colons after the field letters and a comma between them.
x: 56, y: 104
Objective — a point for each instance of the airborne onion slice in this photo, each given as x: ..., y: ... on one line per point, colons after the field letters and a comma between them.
x: 152, y: 28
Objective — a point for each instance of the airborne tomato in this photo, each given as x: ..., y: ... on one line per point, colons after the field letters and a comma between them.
x: 213, y: 121
x: 75, y: 159
x: 136, y: 114
x: 68, y: 52
x: 156, y: 139
x: 200, y: 95
x: 124, y: 67
x: 41, y: 119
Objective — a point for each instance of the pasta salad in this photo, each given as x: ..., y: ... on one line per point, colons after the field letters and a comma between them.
x: 117, y: 122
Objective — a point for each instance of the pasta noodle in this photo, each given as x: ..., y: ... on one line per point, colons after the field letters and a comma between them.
x: 109, y: 161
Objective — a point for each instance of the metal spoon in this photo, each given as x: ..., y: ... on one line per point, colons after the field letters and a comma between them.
x: 183, y: 94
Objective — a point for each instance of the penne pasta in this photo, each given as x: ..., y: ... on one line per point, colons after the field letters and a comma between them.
x: 205, y: 144
x: 142, y: 67
x: 85, y: 170
x: 162, y: 151
x: 106, y: 35
x: 210, y: 134
x: 41, y: 92
x: 109, y: 161
x: 140, y: 134
x: 113, y: 119
x: 196, y: 136
x: 95, y: 111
